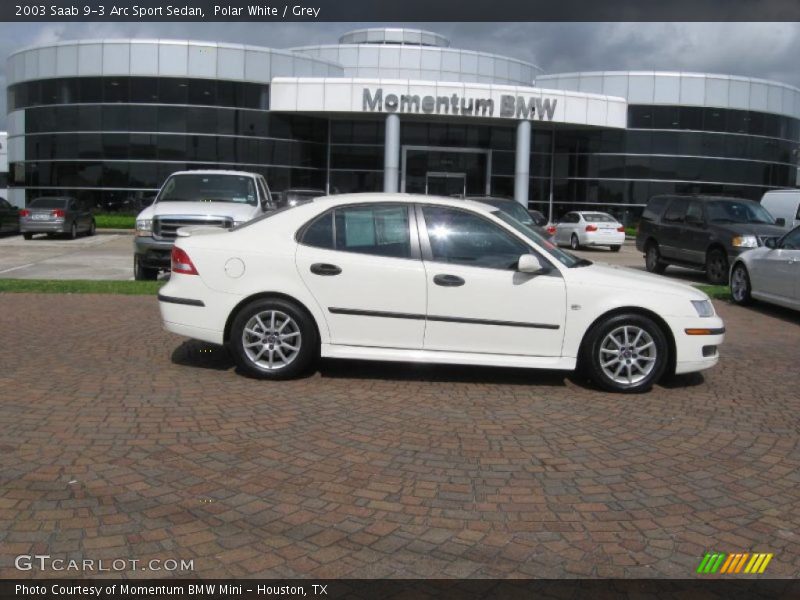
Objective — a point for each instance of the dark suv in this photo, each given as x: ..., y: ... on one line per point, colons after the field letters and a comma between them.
x: 701, y: 232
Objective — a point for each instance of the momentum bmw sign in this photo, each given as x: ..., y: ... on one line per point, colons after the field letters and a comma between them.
x: 518, y: 107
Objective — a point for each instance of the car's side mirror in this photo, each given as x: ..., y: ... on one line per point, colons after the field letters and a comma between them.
x: 529, y: 263
x: 780, y: 222
x: 771, y: 242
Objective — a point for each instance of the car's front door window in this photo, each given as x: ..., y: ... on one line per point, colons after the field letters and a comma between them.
x: 792, y: 240
x: 461, y: 237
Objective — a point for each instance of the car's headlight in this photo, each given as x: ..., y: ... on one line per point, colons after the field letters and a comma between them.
x: 704, y: 308
x: 744, y: 241
x: 144, y: 226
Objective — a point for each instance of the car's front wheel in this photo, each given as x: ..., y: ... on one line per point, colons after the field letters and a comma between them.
x: 717, y: 267
x: 274, y: 339
x: 626, y: 353
x: 142, y: 273
x: 740, y: 285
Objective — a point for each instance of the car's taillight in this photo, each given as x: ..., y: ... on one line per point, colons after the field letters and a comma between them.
x: 181, y: 263
x: 24, y: 213
x: 58, y: 212
x: 621, y: 229
x: 591, y: 228
x: 551, y: 229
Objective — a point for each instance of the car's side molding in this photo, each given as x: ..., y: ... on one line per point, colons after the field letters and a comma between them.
x: 185, y: 301
x: 441, y: 319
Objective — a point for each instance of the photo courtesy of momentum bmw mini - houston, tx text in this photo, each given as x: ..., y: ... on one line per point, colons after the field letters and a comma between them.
x: 350, y: 300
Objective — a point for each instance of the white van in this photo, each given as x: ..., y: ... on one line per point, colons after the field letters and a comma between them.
x: 784, y: 205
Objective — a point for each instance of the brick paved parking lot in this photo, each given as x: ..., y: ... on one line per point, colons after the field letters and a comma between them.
x: 120, y: 441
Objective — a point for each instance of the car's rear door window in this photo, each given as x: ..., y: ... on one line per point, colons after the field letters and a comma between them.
x: 676, y: 212
x: 381, y: 230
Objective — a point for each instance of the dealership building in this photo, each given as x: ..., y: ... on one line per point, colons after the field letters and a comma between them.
x: 388, y: 109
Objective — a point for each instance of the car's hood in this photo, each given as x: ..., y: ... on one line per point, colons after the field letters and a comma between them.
x: 631, y: 280
x: 757, y: 229
x: 234, y: 210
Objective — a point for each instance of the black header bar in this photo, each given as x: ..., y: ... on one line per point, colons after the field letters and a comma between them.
x: 400, y: 10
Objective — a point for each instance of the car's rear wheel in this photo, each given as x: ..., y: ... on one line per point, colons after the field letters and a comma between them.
x: 92, y: 228
x: 274, y: 339
x: 616, y: 248
x: 717, y: 267
x: 574, y: 242
x: 142, y: 273
x: 652, y: 259
x: 740, y: 285
x: 73, y: 231
x: 27, y: 236
x: 626, y: 353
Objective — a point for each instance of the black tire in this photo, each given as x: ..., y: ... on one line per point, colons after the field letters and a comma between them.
x: 595, y: 340
x: 574, y: 242
x: 652, y: 259
x: 717, y: 266
x: 27, y: 236
x: 92, y: 229
x: 306, y: 355
x: 142, y: 273
x: 740, y: 285
x: 615, y: 248
x: 73, y: 231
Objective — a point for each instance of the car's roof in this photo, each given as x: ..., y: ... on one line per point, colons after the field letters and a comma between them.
x: 339, y: 199
x: 215, y: 172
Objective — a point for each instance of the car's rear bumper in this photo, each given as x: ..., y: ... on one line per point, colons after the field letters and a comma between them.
x: 44, y: 227
x: 617, y: 238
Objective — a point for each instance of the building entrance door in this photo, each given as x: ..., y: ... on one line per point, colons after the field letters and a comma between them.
x: 445, y: 184
x: 445, y: 171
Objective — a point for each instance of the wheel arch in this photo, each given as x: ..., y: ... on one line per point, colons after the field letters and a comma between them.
x: 716, y: 245
x: 645, y: 312
x: 266, y: 296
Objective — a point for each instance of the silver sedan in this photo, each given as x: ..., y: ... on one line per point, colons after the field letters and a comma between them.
x: 770, y: 273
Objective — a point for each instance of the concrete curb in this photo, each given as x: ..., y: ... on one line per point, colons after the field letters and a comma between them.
x: 120, y: 231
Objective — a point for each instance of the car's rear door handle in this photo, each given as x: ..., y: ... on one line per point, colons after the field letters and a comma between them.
x: 325, y: 269
x: 448, y: 280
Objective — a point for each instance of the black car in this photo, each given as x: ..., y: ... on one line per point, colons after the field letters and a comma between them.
x: 9, y: 217
x: 701, y: 232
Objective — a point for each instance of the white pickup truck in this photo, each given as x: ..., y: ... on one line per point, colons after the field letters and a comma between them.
x: 216, y: 198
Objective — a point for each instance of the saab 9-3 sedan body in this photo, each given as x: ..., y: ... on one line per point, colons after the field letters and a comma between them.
x: 398, y: 277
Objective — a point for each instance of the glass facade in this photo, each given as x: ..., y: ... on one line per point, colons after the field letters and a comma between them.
x: 106, y: 138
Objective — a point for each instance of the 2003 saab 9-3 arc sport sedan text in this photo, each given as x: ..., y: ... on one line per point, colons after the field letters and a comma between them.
x: 413, y: 278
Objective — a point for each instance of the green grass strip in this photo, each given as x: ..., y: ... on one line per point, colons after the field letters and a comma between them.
x: 115, y: 221
x: 717, y: 292
x: 80, y: 286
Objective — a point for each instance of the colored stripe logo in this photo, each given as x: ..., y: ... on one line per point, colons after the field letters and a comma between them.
x: 742, y: 562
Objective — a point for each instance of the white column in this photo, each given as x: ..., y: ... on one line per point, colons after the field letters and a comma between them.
x: 523, y: 161
x: 391, y: 154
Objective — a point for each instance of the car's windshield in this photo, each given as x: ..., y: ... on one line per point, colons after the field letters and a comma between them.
x: 515, y: 209
x: 209, y: 188
x: 732, y: 211
x: 598, y: 218
x: 565, y: 258
x: 48, y: 203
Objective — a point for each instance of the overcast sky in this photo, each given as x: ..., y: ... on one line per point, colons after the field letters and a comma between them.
x: 767, y: 50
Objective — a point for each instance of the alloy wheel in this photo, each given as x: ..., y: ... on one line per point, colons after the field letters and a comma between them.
x: 271, y: 339
x: 627, y: 355
x: 739, y: 284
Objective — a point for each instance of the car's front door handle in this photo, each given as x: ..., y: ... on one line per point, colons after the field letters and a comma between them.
x: 448, y: 280
x: 325, y: 269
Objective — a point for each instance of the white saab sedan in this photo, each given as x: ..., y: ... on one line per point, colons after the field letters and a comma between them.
x: 399, y: 277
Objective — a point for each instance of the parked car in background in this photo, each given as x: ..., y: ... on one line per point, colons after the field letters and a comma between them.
x: 400, y: 277
x: 9, y: 217
x: 701, y: 232
x: 516, y: 210
x: 212, y: 198
x: 56, y: 215
x: 295, y: 196
x: 770, y: 273
x: 588, y: 228
x: 784, y: 206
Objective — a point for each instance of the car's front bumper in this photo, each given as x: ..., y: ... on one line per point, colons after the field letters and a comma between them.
x: 697, y: 342
x: 153, y: 253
